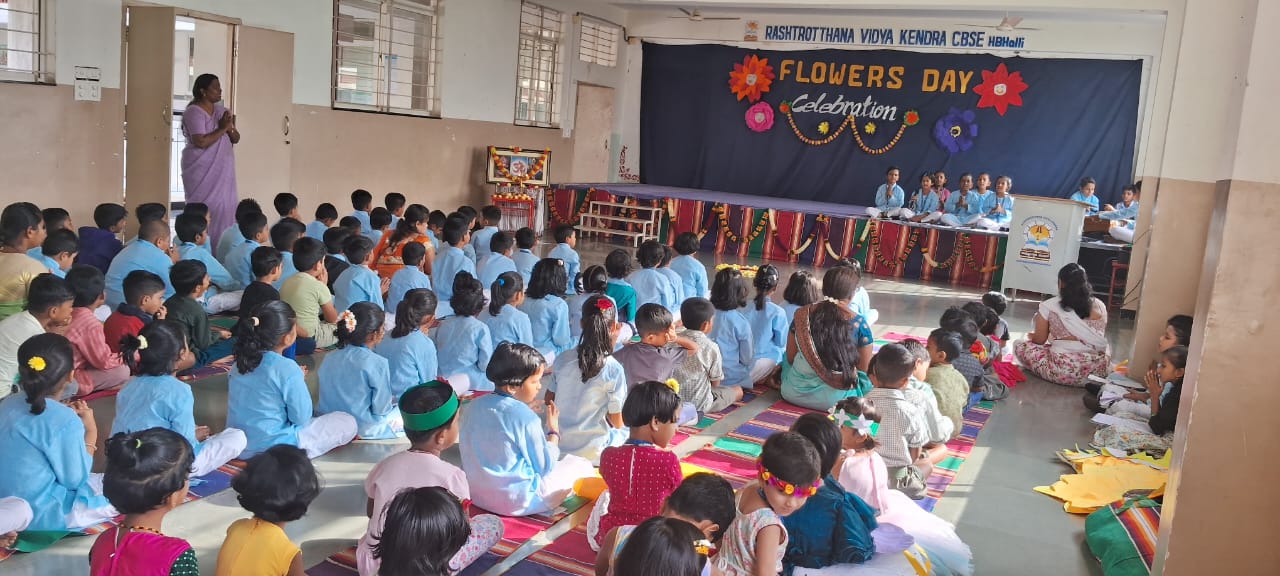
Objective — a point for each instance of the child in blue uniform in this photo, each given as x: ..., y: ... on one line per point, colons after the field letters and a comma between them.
x: 155, y: 398
x: 997, y: 209
x: 513, y: 463
x: 450, y: 261
x: 566, y: 239
x: 1085, y: 195
x: 977, y: 198
x: 890, y: 199
x: 768, y: 325
x: 283, y: 235
x: 955, y: 211
x: 693, y: 274
x: 355, y: 380
x: 926, y: 200
x: 547, y: 310
x: 677, y: 283
x: 651, y: 286
x: 731, y: 330
x: 492, y: 216
x: 326, y: 217
x: 505, y: 320
x: 150, y: 252
x: 52, y: 444
x: 410, y: 354
x: 524, y: 257
x: 359, y: 283
x: 361, y: 200
x: 802, y: 290
x: 498, y: 259
x: 253, y: 225
x: 591, y: 385
x: 464, y: 342
x: 267, y: 395
x: 409, y: 277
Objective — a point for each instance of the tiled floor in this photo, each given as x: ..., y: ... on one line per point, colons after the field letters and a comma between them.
x: 1011, y: 529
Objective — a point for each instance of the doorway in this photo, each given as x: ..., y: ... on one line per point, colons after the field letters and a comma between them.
x: 592, y: 133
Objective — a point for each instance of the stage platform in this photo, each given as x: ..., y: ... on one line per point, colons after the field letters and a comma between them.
x: 808, y: 232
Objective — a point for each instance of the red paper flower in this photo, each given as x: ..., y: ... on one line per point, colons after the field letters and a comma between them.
x: 752, y: 78
x: 1000, y: 89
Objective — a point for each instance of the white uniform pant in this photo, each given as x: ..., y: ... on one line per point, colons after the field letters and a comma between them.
x: 950, y: 220
x: 1122, y: 233
x: 932, y: 217
x: 327, y: 432
x: 82, y: 516
x: 15, y: 515
x: 761, y: 369
x: 988, y: 224
x: 217, y: 450
x: 891, y: 213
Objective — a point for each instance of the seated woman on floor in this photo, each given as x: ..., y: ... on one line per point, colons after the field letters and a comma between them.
x: 828, y: 347
x: 1070, y: 339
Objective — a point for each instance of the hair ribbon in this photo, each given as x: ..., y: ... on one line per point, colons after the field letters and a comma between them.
x: 786, y: 487
x: 434, y: 418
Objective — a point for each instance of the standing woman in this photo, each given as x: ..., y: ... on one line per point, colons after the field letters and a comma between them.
x: 208, y: 163
x: 21, y: 229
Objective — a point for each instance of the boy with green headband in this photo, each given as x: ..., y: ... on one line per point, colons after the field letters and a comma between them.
x: 430, y: 413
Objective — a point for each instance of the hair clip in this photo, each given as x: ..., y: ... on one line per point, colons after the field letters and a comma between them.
x: 703, y: 547
x: 845, y: 420
x: 831, y: 300
x: 137, y: 443
x: 348, y: 320
x: 786, y: 487
x: 673, y: 384
x: 142, y: 342
x: 604, y: 304
x: 254, y: 320
x: 502, y: 281
x: 37, y: 363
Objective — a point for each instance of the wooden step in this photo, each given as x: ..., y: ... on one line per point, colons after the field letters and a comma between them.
x: 618, y: 218
x: 633, y: 234
x: 595, y: 203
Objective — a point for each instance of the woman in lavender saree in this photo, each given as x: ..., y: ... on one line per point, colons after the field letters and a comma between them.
x: 208, y: 163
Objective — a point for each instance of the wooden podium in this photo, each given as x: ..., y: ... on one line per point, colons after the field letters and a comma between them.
x: 1044, y: 236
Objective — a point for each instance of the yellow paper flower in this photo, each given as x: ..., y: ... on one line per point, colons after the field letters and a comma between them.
x: 824, y: 127
x: 870, y: 128
x: 37, y: 363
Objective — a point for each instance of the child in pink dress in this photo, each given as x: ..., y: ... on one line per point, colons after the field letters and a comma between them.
x: 430, y: 414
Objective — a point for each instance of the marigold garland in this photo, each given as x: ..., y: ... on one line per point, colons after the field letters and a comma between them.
x: 504, y: 172
x: 911, y: 118
x: 814, y: 230
x: 747, y: 271
x: 729, y: 234
x: 577, y: 211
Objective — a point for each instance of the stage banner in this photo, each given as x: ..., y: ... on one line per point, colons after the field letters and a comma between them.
x: 826, y: 124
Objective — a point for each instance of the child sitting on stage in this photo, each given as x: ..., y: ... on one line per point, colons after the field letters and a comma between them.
x: 277, y: 486
x: 618, y: 266
x: 703, y: 499
x: 802, y: 290
x: 547, y: 310
x: 890, y: 198
x: 997, y: 210
x: 925, y: 202
x: 955, y: 209
x: 465, y: 346
x: 1085, y: 195
x: 1124, y: 216
x: 590, y: 385
x: 409, y: 352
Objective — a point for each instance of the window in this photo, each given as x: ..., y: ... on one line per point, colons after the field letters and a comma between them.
x: 538, y: 66
x: 23, y: 57
x: 386, y: 56
x: 598, y: 42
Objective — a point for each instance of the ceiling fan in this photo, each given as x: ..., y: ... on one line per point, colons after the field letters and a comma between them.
x: 696, y: 16
x: 1007, y: 24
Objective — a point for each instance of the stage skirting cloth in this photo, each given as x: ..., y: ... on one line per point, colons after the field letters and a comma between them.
x: 805, y: 232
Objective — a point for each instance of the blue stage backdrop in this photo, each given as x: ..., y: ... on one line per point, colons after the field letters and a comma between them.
x: 825, y: 124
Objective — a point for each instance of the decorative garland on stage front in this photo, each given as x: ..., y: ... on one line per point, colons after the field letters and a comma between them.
x: 814, y: 230
x: 765, y: 222
x: 578, y: 210
x: 963, y: 249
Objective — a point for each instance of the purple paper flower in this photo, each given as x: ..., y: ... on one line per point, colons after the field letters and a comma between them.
x: 956, y: 131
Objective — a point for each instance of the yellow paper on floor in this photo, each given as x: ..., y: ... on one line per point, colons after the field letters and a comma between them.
x: 1102, y: 480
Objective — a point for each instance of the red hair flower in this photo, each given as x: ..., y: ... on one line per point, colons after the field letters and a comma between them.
x: 604, y: 304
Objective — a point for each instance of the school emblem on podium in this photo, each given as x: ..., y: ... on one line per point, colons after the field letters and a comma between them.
x: 1037, y: 235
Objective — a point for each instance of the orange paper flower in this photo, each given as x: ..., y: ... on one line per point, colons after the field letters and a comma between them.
x: 752, y: 78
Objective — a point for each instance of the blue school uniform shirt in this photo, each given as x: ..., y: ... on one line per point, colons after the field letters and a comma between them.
x: 926, y: 203
x: 240, y: 262
x: 157, y: 402
x: 218, y: 274
x: 952, y: 205
x: 732, y: 333
x: 448, y: 263
x: 510, y: 325
x: 525, y: 260
x: 693, y: 275
x: 363, y: 217
x: 271, y: 404
x: 572, y: 262
x: 493, y: 266
x: 989, y: 206
x: 677, y: 286
x: 1122, y: 212
x: 586, y: 403
x: 768, y: 330
x: 51, y: 264
x: 652, y: 287
x: 1092, y: 201
x: 404, y: 280
x: 975, y: 201
x: 889, y: 198
x: 412, y: 359
x: 356, y: 284
x: 355, y: 380
x: 480, y: 241
x: 549, y: 317
x: 470, y: 251
x: 48, y: 449
x: 374, y: 236
x: 137, y: 256
x: 435, y: 242
x: 287, y: 269
x: 465, y: 347
x: 316, y: 229
x: 231, y: 237
x: 790, y: 310
x: 860, y: 303
x: 506, y: 457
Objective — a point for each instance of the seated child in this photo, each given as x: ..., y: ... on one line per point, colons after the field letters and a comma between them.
x: 506, y: 321
x: 513, y: 464
x: 864, y: 475
x: 224, y: 291
x: 926, y: 201
x: 833, y: 527
x: 903, y: 429
x: 190, y: 280
x: 283, y: 234
x: 155, y: 398
x: 310, y: 299
x: 395, y: 203
x: 1121, y: 400
x: 276, y: 486
x: 481, y: 239
x: 828, y: 347
x: 427, y: 531
x: 524, y: 257
x: 100, y: 243
x: 146, y: 479
x: 380, y: 222
x: 266, y: 269
x: 651, y: 286
x: 693, y: 274
x: 1164, y: 390
x: 59, y: 251
x: 464, y: 343
x: 703, y: 499
x: 50, y: 442
x: 590, y: 385
x: 430, y: 414
x: 769, y: 325
x: 677, y: 283
x: 987, y: 350
x: 286, y: 204
x: 732, y: 329
x: 802, y: 290
x: 410, y: 354
x: 435, y: 228
x: 566, y: 239
x: 788, y: 476
x: 997, y: 209
x: 701, y: 372
x: 469, y: 216
x: 861, y: 301
x: 1085, y: 195
x: 955, y: 209
x: 498, y: 259
x: 967, y: 363
x: 652, y: 358
x: 150, y: 253
x: 49, y: 308
x: 361, y: 201
x: 326, y: 217
x: 352, y: 224
x: 662, y: 546
x: 950, y: 387
x: 890, y: 198
x: 144, y: 301
x: 918, y: 392
x: 335, y: 262
x: 239, y: 261
x: 358, y: 283
x: 547, y: 310
x: 451, y: 260
x: 408, y: 277
x: 355, y: 380
x: 96, y: 368
x: 231, y: 237
x: 591, y: 282
x: 618, y: 265
x: 643, y: 472
x: 267, y: 396
x: 998, y: 304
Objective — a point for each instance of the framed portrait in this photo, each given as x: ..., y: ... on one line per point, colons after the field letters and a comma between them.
x: 519, y: 166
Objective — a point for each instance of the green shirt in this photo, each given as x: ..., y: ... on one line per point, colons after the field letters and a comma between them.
x: 306, y: 296
x: 952, y: 390
x: 191, y: 314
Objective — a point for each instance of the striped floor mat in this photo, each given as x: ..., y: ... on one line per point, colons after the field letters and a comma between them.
x: 685, y: 432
